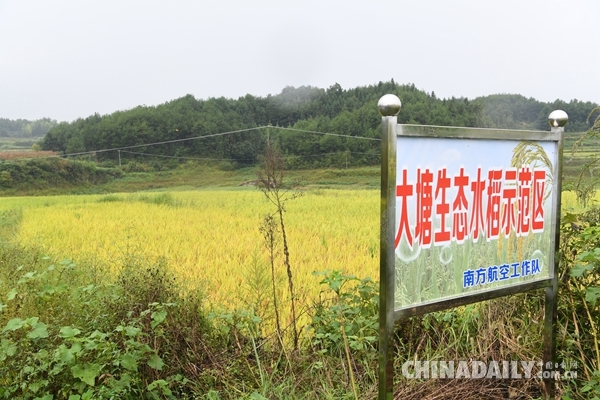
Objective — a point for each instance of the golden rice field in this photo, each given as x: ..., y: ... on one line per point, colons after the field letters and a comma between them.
x: 210, y: 238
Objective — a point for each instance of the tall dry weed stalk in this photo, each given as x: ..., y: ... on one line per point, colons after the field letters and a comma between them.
x: 271, y: 182
x: 269, y: 232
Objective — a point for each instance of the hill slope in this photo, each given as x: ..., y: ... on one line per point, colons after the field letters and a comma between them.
x: 351, y: 112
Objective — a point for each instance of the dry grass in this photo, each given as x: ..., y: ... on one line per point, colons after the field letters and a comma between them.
x: 15, y: 155
x: 470, y: 389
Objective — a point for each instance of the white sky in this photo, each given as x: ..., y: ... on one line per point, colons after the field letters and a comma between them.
x: 66, y: 59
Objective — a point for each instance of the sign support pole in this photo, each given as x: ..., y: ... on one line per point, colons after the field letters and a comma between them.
x: 389, y: 106
x: 549, y: 356
x: 557, y: 122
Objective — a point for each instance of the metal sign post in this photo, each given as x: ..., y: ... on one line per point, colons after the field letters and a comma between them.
x: 467, y: 215
x: 557, y: 121
x: 389, y: 107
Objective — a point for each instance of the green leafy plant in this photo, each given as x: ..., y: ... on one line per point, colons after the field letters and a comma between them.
x: 69, y: 361
x: 347, y: 321
x: 353, y: 309
x: 580, y: 292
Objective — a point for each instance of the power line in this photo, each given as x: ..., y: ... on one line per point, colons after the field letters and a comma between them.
x: 203, y: 137
x: 157, y: 143
x: 332, y: 134
x: 268, y: 127
x: 187, y: 158
x: 325, y: 154
x: 242, y: 159
x: 219, y: 134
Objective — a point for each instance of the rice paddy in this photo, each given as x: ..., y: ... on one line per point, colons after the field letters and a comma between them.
x: 209, y: 239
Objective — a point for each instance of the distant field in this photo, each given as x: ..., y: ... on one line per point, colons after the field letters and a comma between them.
x: 190, y: 175
x: 21, y: 144
x: 18, y: 154
x: 574, y: 162
x: 16, y: 148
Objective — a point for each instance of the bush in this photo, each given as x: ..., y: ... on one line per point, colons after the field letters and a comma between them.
x: 44, y: 173
x: 579, y: 307
x: 71, y: 340
x: 350, y: 308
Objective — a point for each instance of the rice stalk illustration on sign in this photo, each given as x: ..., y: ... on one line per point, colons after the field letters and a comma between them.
x: 470, y: 216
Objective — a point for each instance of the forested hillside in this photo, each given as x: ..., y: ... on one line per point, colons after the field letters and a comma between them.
x: 335, y: 110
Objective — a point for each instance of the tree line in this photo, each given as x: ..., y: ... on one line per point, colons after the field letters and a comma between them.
x: 22, y: 128
x: 349, y: 112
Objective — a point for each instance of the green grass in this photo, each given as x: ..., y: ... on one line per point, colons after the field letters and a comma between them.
x: 192, y: 176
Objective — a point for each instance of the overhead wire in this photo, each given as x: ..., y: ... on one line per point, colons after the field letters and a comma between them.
x: 157, y: 143
x: 218, y: 134
x: 332, y: 134
x: 186, y: 158
x: 238, y: 159
x: 123, y: 148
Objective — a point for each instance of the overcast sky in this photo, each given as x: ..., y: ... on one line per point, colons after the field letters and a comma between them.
x: 66, y: 59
